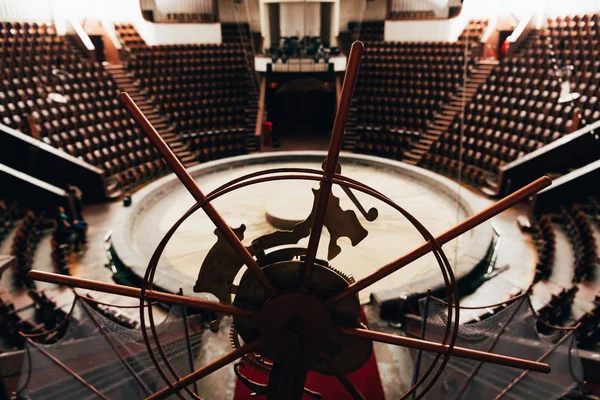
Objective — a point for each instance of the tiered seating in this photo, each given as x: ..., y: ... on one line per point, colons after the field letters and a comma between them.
x: 7, y: 219
x: 235, y: 33
x: 85, y: 119
x: 558, y: 310
x: 189, y: 18
x: 24, y: 244
x: 583, y: 242
x: 412, y: 15
x: 61, y: 251
x: 545, y: 244
x: 43, y: 323
x: 588, y: 333
x: 202, y: 90
x: 401, y: 86
x: 389, y: 143
x: 367, y: 31
x: 474, y: 30
x: 213, y: 146
x: 517, y: 111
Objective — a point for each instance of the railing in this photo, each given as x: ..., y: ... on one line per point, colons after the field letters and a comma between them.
x: 33, y: 157
x: 574, y: 150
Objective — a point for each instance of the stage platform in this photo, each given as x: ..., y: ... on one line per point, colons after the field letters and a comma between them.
x: 431, y: 198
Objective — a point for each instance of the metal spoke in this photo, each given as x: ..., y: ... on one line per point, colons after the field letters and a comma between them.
x: 344, y: 380
x: 445, y: 237
x: 129, y: 291
x: 442, y: 348
x: 335, y: 146
x: 189, y: 183
x: 206, y: 370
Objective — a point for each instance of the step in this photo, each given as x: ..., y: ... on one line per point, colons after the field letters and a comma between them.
x: 431, y: 138
x: 413, y: 156
x: 411, y: 161
x: 421, y: 146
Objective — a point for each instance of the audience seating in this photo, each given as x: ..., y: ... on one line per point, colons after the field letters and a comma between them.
x: 389, y: 143
x: 24, y: 244
x: 85, y: 120
x: 582, y: 239
x: 202, y: 90
x: 412, y: 15
x: 545, y: 244
x: 401, y: 86
x: 7, y: 218
x: 588, y: 333
x: 558, y: 310
x: 517, y: 110
x: 367, y: 31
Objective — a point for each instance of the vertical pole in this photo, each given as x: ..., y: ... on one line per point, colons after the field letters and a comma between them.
x: 489, y: 349
x: 420, y: 352
x: 188, y: 342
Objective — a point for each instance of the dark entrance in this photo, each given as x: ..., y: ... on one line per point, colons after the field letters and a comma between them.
x: 302, y: 108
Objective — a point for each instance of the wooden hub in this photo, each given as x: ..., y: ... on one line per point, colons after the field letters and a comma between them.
x: 296, y: 327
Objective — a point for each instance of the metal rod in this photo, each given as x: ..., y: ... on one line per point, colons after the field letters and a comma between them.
x: 445, y: 237
x: 135, y: 292
x: 335, y: 145
x: 67, y: 369
x: 542, y: 358
x: 490, y: 348
x: 441, y: 348
x: 422, y: 337
x: 189, y: 183
x: 206, y: 370
x: 116, y: 351
x: 344, y: 380
x: 188, y: 342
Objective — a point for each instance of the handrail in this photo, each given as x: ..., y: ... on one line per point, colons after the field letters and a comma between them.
x: 260, y: 114
x: 506, y: 171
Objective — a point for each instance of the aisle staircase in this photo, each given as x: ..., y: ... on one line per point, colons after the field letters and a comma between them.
x: 126, y: 83
x: 252, y: 141
x: 449, y: 111
x: 351, y: 137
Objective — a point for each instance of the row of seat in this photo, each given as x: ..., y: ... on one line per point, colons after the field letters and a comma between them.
x: 557, y: 311
x: 403, y: 84
x: 24, y: 244
x: 47, y: 316
x: 7, y: 218
x: 411, y: 15
x: 198, y: 88
x: 582, y: 241
x: 367, y: 31
x: 380, y: 141
x: 545, y: 245
x: 55, y: 94
x: 517, y: 109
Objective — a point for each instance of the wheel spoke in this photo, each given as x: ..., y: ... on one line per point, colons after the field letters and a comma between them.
x: 335, y: 146
x: 129, y: 291
x: 344, y: 380
x: 445, y: 237
x: 189, y: 183
x: 443, y: 348
x: 204, y: 371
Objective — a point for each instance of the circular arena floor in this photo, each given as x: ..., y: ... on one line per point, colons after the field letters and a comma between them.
x: 432, y: 199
